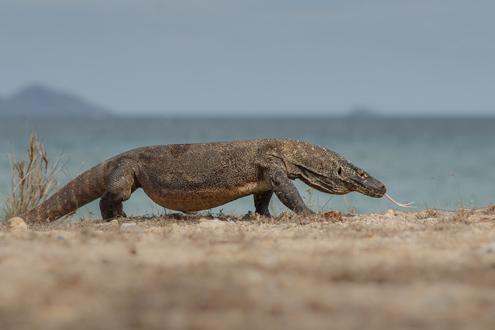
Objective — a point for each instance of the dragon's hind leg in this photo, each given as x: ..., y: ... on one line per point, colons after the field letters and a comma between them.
x: 120, y: 185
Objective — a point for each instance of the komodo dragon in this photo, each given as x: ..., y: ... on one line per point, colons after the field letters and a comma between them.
x: 192, y: 177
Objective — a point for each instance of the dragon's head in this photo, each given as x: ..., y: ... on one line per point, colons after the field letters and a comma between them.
x: 327, y: 171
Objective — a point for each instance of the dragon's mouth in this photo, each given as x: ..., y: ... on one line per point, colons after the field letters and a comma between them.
x: 327, y: 188
x: 323, y: 183
x: 369, y: 186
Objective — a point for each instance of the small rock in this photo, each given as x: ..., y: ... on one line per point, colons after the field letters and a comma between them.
x: 17, y: 224
x: 390, y: 213
x: 114, y: 224
x: 213, y: 223
x: 490, y: 248
x: 131, y: 227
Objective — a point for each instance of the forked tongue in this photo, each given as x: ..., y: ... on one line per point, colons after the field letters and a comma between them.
x: 407, y: 205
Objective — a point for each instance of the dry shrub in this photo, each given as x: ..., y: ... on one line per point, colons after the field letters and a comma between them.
x: 32, y: 181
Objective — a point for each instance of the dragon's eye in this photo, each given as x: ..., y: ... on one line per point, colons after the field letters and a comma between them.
x: 339, y: 171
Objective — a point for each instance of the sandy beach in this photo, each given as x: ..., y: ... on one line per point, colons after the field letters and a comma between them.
x: 417, y: 270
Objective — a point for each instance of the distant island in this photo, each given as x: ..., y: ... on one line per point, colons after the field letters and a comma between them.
x: 362, y: 112
x: 40, y: 101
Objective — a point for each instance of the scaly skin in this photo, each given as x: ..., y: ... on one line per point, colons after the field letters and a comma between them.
x: 192, y: 177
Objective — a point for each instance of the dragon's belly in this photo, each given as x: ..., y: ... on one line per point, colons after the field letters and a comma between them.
x: 202, y: 199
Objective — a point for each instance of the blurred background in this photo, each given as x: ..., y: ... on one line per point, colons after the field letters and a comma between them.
x: 404, y: 89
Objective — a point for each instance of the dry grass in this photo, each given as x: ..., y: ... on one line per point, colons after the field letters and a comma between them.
x: 490, y: 209
x: 375, y: 271
x: 462, y: 215
x: 33, y: 180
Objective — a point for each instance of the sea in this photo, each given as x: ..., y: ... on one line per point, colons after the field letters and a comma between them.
x: 440, y: 163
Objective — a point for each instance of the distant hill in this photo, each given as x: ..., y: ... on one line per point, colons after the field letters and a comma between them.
x: 39, y: 101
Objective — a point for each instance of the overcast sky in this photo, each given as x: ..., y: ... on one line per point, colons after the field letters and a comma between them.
x: 255, y: 56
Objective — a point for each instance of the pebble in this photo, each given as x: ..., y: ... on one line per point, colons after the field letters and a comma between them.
x: 211, y: 223
x: 490, y: 248
x: 131, y: 227
x: 390, y: 213
x: 114, y: 224
x: 17, y: 224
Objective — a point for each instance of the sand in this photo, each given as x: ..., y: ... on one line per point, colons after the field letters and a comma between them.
x: 418, y: 270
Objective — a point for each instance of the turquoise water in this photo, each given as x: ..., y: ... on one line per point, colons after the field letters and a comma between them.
x: 439, y: 163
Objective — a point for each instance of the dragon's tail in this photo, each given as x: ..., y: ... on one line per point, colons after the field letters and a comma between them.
x: 83, y: 189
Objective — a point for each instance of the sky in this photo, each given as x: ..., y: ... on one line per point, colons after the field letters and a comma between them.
x: 251, y: 57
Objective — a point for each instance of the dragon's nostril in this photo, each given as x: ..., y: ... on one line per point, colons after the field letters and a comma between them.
x: 383, y: 188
